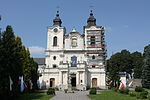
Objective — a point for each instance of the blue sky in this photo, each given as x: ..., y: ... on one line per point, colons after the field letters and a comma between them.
x: 127, y: 22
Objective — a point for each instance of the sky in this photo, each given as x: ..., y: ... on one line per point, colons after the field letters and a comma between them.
x: 127, y: 22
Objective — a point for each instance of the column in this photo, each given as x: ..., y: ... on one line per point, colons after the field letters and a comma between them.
x: 60, y: 77
x: 83, y: 77
x: 77, y: 78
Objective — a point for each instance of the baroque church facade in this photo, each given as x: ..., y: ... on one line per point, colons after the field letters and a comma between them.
x: 78, y: 59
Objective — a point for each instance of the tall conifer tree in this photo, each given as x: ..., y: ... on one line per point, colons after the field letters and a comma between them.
x: 146, y: 68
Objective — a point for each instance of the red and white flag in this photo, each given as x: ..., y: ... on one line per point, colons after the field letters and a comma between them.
x: 121, y: 85
x: 110, y: 83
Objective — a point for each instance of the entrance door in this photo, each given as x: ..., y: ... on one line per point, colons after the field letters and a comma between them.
x: 73, y: 80
x: 52, y: 82
x: 94, y: 82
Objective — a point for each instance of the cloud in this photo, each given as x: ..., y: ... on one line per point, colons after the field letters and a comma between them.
x: 36, y: 50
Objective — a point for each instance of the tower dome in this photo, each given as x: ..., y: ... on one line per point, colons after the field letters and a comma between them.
x: 57, y: 20
x: 91, y: 20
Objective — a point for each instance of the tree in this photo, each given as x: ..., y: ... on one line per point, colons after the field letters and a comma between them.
x: 113, y: 67
x: 15, y: 61
x: 34, y: 75
x: 9, y: 63
x: 137, y: 63
x: 126, y: 62
x: 146, y: 68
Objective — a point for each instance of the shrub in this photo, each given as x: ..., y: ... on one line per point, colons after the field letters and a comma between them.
x: 121, y: 91
x: 142, y: 95
x: 149, y: 97
x: 65, y: 90
x: 93, y: 91
x: 115, y: 89
x: 139, y: 89
x: 51, y: 91
x: 124, y: 91
x: 132, y: 94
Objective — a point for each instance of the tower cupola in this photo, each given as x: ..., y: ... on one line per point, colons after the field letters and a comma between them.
x: 91, y: 20
x: 57, y: 20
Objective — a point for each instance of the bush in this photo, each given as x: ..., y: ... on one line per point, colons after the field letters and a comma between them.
x: 139, y: 89
x: 132, y: 94
x: 93, y: 91
x: 124, y: 91
x: 121, y: 91
x: 51, y: 91
x: 142, y: 95
x: 149, y: 97
x: 65, y: 90
x: 115, y: 89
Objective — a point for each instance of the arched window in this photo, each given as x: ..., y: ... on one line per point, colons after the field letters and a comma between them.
x: 54, y: 65
x: 74, y: 41
x: 74, y: 61
x: 92, y: 40
x: 93, y: 57
x: 55, y: 41
x: 93, y: 66
x: 54, y: 58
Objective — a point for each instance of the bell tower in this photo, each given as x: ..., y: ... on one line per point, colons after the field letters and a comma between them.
x: 55, y: 42
x: 94, y: 43
x: 56, y: 34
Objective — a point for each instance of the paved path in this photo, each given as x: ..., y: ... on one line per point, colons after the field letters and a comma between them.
x: 78, y: 95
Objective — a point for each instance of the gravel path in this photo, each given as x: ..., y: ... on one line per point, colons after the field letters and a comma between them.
x: 77, y: 95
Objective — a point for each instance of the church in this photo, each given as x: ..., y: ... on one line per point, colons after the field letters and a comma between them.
x: 74, y: 58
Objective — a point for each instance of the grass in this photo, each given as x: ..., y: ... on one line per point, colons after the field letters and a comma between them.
x: 112, y: 95
x: 38, y: 95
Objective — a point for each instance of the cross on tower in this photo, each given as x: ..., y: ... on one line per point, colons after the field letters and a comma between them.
x: 57, y: 8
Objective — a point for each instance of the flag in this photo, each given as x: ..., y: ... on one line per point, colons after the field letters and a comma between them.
x: 121, y: 86
x: 30, y: 84
x: 21, y: 83
x: 110, y: 83
x: 11, y: 83
x: 130, y: 83
x: 38, y: 84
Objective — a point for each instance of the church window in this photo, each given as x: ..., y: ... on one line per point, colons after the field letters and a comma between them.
x: 92, y: 40
x: 93, y: 57
x: 93, y: 66
x: 55, y: 41
x: 54, y: 58
x: 74, y: 41
x: 74, y: 61
x: 54, y: 66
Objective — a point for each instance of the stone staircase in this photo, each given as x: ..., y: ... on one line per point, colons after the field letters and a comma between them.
x: 136, y: 82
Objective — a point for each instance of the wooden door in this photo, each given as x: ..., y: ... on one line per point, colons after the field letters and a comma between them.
x: 52, y: 82
x: 94, y: 82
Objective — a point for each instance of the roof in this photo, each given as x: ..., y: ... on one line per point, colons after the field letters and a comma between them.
x: 40, y: 61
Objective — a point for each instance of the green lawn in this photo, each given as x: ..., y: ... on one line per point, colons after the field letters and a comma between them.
x: 38, y: 95
x: 111, y: 95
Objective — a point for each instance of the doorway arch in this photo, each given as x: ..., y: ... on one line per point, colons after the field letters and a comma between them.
x: 94, y: 82
x: 52, y: 82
